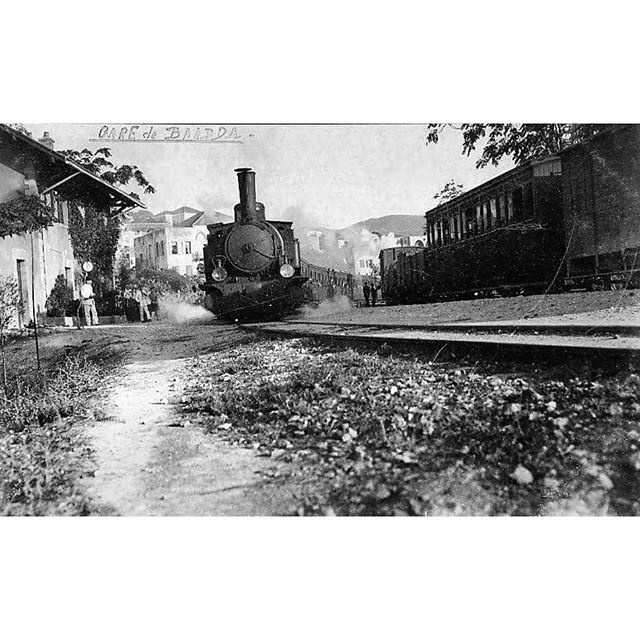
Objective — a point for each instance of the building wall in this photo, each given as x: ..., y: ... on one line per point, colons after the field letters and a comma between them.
x: 174, y: 248
x: 52, y: 253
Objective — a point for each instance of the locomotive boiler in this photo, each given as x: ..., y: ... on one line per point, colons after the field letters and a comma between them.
x: 252, y: 266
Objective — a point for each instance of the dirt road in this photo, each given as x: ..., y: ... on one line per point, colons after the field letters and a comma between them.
x: 151, y: 459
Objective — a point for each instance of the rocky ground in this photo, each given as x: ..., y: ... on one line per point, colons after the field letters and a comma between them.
x: 209, y: 419
x: 373, y: 433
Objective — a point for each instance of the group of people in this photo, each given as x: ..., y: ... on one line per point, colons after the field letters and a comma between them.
x: 141, y: 295
x: 144, y: 299
x: 370, y: 292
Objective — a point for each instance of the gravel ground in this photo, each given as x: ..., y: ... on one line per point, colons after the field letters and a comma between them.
x: 597, y: 307
x: 367, y: 433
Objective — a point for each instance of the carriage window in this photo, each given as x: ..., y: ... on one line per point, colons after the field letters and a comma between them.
x: 470, y: 219
x: 518, y: 203
x: 528, y: 201
x: 493, y: 206
x: 502, y: 213
x: 486, y: 220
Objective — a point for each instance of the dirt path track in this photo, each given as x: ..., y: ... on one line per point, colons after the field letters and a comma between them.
x: 151, y: 457
x: 153, y: 461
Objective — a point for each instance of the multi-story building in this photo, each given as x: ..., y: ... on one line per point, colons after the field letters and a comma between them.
x: 31, y: 251
x: 176, y: 245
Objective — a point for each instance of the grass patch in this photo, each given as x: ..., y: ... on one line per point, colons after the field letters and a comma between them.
x: 42, y: 453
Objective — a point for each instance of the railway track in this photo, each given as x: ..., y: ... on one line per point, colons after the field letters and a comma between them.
x: 534, y: 341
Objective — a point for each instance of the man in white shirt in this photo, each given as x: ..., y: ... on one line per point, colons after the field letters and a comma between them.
x: 88, y: 303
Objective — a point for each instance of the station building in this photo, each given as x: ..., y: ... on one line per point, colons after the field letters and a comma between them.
x: 36, y: 249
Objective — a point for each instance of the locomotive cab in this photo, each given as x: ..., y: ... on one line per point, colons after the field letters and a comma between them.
x: 252, y: 266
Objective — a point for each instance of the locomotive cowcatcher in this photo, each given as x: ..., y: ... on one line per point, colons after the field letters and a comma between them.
x: 252, y: 266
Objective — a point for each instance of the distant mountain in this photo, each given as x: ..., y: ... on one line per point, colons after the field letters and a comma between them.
x: 401, y: 224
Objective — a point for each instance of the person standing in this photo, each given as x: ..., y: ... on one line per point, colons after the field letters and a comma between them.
x: 142, y: 298
x: 89, y: 303
x: 374, y: 294
x: 366, y: 290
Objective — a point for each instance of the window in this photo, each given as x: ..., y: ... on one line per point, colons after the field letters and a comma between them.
x: 527, y: 211
x: 486, y: 219
x: 470, y: 220
x: 509, y: 206
x: 157, y: 249
x: 518, y: 203
x: 162, y: 247
x: 174, y: 248
x: 446, y: 230
x: 478, y: 227
x: 502, y: 213
x: 493, y: 206
x: 187, y: 247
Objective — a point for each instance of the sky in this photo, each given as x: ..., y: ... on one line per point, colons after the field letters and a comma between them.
x: 326, y: 175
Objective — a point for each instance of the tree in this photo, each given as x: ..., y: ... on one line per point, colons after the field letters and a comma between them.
x: 450, y: 191
x: 98, y: 163
x: 94, y: 235
x: 520, y: 142
x: 9, y: 307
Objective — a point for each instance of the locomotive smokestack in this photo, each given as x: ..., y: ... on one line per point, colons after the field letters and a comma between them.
x: 248, y: 210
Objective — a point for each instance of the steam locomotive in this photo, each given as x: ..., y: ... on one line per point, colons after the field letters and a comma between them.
x: 252, y: 266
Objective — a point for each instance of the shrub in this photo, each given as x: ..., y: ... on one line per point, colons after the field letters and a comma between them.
x: 60, y: 300
x: 9, y: 308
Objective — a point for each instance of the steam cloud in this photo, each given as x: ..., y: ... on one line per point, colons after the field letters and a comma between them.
x: 177, y: 311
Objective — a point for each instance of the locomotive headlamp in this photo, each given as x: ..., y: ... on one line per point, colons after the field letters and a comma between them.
x: 287, y: 271
x: 219, y: 274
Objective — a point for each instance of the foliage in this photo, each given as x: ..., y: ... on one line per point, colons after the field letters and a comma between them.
x: 94, y: 237
x: 161, y: 281
x: 520, y: 142
x: 98, y: 163
x: 451, y: 190
x: 9, y: 308
x: 60, y: 300
x: 18, y: 126
x: 24, y: 214
x: 42, y: 456
x: 161, y: 284
x: 9, y: 301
